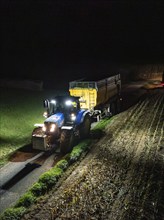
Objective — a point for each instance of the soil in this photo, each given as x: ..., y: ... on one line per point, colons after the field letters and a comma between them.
x: 24, y: 153
x: 122, y: 175
x: 19, y: 156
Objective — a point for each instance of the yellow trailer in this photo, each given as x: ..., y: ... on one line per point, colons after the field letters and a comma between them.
x: 99, y: 94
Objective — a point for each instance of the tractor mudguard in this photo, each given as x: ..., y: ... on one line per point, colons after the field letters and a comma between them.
x: 81, y: 115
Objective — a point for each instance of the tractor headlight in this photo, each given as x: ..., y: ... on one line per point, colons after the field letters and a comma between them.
x: 45, y: 114
x: 73, y: 117
x: 49, y: 128
x: 44, y: 128
x: 53, y: 102
x: 52, y: 128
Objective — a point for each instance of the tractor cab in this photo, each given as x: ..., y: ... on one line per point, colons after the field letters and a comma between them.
x: 65, y: 123
x: 67, y: 105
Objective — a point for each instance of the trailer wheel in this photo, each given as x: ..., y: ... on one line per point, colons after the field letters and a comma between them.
x: 66, y: 141
x: 85, y: 127
x: 113, y: 108
x: 118, y: 108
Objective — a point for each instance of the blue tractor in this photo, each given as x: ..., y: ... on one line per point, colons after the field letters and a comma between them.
x: 66, y: 123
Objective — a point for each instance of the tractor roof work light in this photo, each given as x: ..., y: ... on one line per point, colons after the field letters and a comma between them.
x: 68, y: 102
x: 53, y: 102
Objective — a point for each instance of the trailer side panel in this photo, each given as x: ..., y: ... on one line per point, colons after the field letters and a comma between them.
x: 95, y: 93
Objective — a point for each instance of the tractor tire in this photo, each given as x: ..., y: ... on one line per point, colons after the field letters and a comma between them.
x: 66, y: 141
x: 85, y: 127
x: 118, y: 106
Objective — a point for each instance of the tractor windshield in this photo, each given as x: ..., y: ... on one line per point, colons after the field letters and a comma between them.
x: 63, y: 105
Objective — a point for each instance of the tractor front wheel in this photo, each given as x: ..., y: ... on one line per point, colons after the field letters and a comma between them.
x: 66, y: 141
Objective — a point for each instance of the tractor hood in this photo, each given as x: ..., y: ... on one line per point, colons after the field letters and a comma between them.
x: 57, y: 118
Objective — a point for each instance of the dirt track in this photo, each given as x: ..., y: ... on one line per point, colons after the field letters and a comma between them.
x: 121, y: 177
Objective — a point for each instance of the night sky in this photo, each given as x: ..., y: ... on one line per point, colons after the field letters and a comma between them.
x: 55, y: 38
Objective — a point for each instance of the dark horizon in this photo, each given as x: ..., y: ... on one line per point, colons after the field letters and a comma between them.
x: 55, y: 38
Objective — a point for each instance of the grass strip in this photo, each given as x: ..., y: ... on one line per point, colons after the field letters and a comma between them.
x: 13, y: 213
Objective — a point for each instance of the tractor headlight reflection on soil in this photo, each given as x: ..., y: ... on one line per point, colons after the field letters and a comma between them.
x: 52, y: 128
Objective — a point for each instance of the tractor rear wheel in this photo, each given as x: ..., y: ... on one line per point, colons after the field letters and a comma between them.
x: 66, y: 141
x: 118, y: 104
x: 85, y: 127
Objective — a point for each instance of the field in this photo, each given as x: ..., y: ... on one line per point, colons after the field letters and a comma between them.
x: 122, y: 175
x: 19, y: 111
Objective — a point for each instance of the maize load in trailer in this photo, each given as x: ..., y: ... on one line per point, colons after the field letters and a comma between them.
x: 99, y: 95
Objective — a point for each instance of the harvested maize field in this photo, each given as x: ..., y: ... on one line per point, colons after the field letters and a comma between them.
x: 122, y: 175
